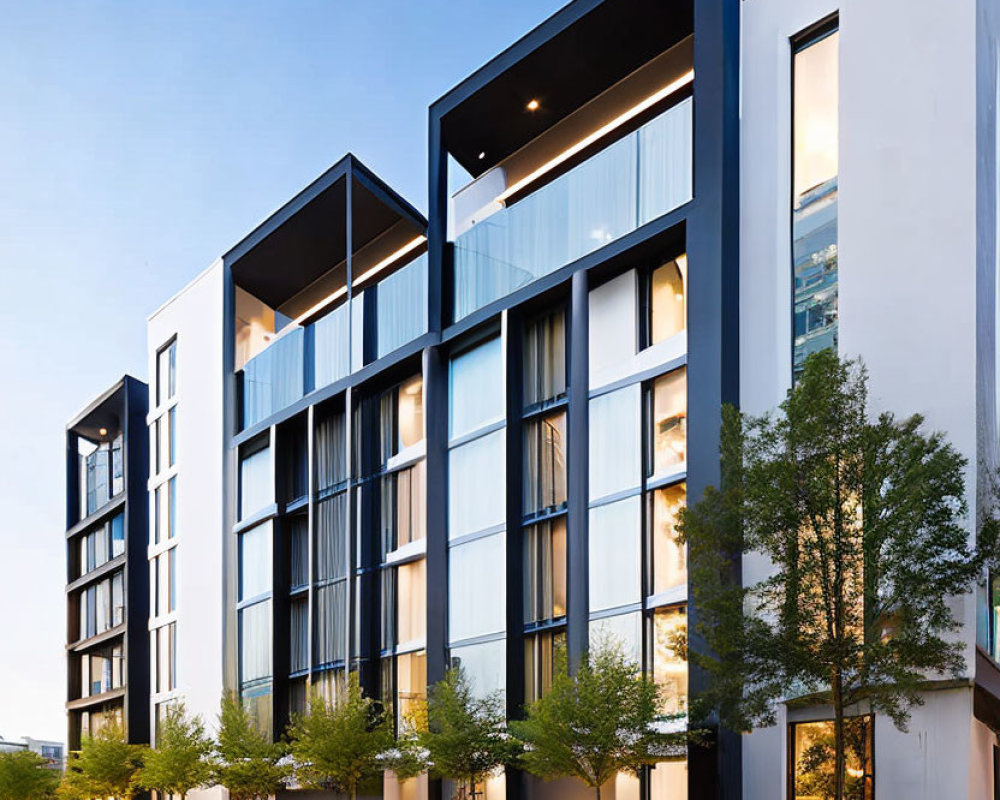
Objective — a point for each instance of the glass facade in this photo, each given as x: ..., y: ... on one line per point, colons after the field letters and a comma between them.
x: 815, y: 144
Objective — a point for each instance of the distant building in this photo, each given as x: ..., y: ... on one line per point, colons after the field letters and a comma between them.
x: 53, y: 751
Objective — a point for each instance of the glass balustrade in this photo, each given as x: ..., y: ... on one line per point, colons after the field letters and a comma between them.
x: 402, y: 306
x: 311, y: 357
x: 634, y: 180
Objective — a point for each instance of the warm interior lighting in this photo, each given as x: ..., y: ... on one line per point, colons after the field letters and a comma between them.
x: 601, y: 132
x: 320, y: 305
x: 389, y: 259
x: 532, y: 105
x: 482, y: 155
x: 102, y: 431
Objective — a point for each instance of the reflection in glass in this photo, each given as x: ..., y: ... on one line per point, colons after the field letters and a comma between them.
x: 255, y: 561
x: 402, y: 306
x: 814, y: 196
x: 813, y: 770
x: 256, y: 482
x: 411, y: 685
x: 615, y: 454
x: 476, y: 485
x: 667, y: 307
x: 669, y: 556
x: 476, y: 395
x: 477, y: 599
x: 670, y: 668
x: 615, y: 554
x: 669, y: 422
x: 545, y: 359
x: 545, y: 462
x: 623, y: 630
x: 545, y: 571
x: 484, y: 664
x: 255, y: 641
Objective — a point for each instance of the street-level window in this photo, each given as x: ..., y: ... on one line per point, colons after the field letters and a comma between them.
x: 811, y: 771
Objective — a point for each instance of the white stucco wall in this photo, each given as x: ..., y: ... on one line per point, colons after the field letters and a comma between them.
x: 195, y: 317
x: 907, y: 250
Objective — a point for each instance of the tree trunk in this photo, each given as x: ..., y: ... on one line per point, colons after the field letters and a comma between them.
x: 598, y: 790
x: 839, y: 759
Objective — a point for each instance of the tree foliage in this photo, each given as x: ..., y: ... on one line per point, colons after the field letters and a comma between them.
x: 592, y: 725
x: 247, y: 762
x: 465, y: 738
x: 864, y: 523
x: 105, y: 766
x: 26, y: 776
x: 339, y: 747
x: 181, y: 760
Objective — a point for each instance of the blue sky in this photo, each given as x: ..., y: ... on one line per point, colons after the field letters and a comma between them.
x: 138, y: 141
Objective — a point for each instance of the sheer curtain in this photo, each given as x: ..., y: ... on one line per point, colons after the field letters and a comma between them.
x: 476, y: 479
x: 615, y: 554
x: 477, y: 588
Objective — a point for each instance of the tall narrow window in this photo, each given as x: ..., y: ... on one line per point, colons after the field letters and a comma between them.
x: 545, y: 571
x: 256, y: 482
x: 669, y: 559
x: 669, y: 423
x: 545, y: 359
x: 667, y: 300
x: 815, y: 135
x: 545, y: 462
x: 812, y: 772
x: 166, y: 373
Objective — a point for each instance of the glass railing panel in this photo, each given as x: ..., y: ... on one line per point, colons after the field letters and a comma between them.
x: 402, y: 306
x: 332, y: 357
x: 634, y: 180
x: 274, y: 378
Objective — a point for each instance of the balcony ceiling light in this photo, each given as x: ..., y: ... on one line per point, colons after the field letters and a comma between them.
x: 482, y: 155
x: 601, y: 132
x: 102, y: 431
x: 320, y: 306
x: 533, y: 104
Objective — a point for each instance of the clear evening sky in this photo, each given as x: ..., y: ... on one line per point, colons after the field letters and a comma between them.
x: 138, y: 142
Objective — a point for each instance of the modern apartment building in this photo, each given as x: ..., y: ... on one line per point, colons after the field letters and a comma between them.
x: 107, y: 584
x: 391, y: 444
x: 53, y: 751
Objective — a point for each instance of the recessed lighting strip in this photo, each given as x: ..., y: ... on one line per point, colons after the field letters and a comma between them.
x: 390, y: 259
x: 601, y: 132
x: 381, y: 265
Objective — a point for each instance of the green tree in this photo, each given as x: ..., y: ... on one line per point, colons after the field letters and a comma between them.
x: 340, y: 747
x: 247, y: 762
x: 26, y: 776
x: 465, y: 738
x: 596, y: 723
x: 105, y: 766
x: 181, y: 760
x: 864, y: 521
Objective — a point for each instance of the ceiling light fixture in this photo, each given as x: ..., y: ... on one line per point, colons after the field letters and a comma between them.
x: 102, y: 431
x: 532, y: 104
x: 482, y: 156
x: 320, y: 306
x: 604, y: 130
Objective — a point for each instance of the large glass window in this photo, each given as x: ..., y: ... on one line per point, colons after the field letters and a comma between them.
x: 410, y: 413
x: 298, y: 631
x: 330, y: 624
x: 166, y: 657
x: 615, y: 554
x: 669, y: 657
x: 667, y: 300
x: 255, y: 562
x: 669, y: 423
x: 331, y: 538
x: 476, y: 478
x: 411, y: 683
x: 615, y: 450
x: 331, y: 451
x: 476, y: 588
x: 545, y: 462
x: 624, y: 630
x: 255, y: 642
x: 411, y: 607
x: 476, y: 388
x: 813, y: 774
x: 545, y: 359
x: 669, y: 557
x: 545, y: 571
x: 540, y: 658
x: 256, y: 482
x: 403, y: 508
x: 117, y: 535
x: 299, y: 539
x: 484, y: 664
x: 815, y: 145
